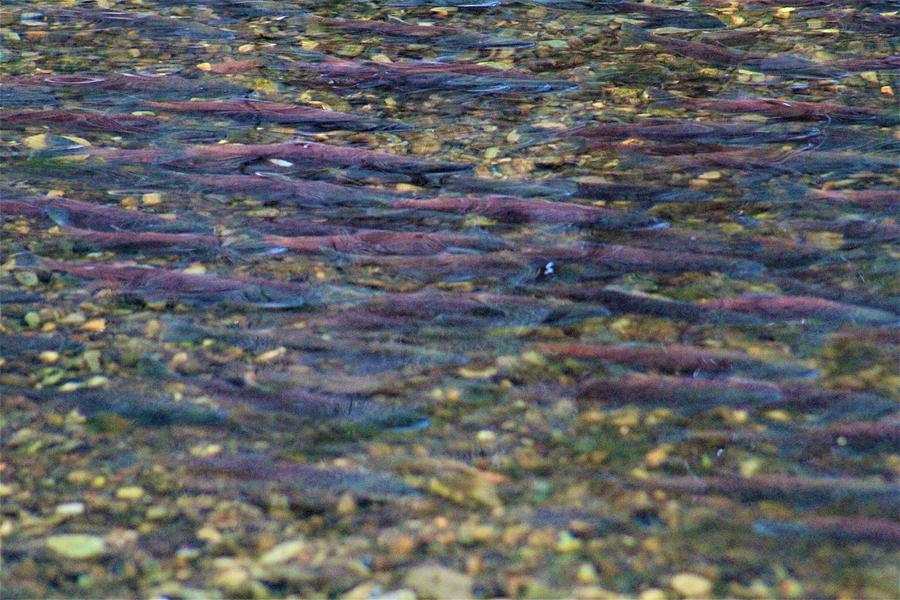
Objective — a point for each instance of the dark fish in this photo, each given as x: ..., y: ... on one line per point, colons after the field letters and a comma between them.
x: 258, y: 111
x: 310, y: 479
x: 157, y: 282
x: 792, y: 162
x: 143, y: 410
x: 871, y: 198
x: 302, y: 154
x: 597, y: 188
x: 74, y: 120
x: 775, y: 487
x: 12, y: 345
x: 275, y: 189
x: 853, y: 230
x: 700, y: 132
x: 707, y: 53
x: 771, y: 306
x: 853, y: 528
x: 684, y: 395
x: 447, y: 36
x: 132, y: 83
x: 422, y: 76
x: 520, y: 210
x: 131, y: 240
x: 98, y: 217
x: 676, y: 358
x: 119, y: 22
x: 796, y: 111
x: 384, y: 242
x: 620, y: 301
x: 318, y: 407
x: 650, y: 14
x: 616, y: 258
x: 442, y: 266
x: 445, y: 308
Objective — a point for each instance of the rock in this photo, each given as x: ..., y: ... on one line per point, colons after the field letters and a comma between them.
x: 435, y: 581
x: 282, y: 552
x: 77, y: 545
x: 690, y: 585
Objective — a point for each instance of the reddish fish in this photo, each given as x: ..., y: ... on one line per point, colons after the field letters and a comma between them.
x: 870, y: 198
x: 304, y: 154
x: 158, y: 282
x: 75, y: 213
x: 771, y: 306
x: 74, y: 120
x: 794, y: 110
x: 619, y: 258
x: 274, y: 188
x: 520, y: 210
x: 382, y: 242
x: 676, y: 358
x: 271, y: 112
x: 685, y: 395
x: 145, y: 239
x: 460, y: 38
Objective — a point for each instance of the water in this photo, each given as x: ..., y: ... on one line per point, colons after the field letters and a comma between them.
x: 532, y: 299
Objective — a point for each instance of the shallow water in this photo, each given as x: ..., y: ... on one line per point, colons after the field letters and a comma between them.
x: 529, y: 299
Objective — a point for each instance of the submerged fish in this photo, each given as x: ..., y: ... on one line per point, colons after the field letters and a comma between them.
x: 676, y: 358
x: 448, y: 36
x: 684, y: 395
x: 385, y: 242
x: 259, y: 111
x: 794, y: 110
x: 168, y: 283
x: 75, y: 120
x: 421, y: 76
x: 521, y: 210
x: 771, y: 306
x: 229, y: 157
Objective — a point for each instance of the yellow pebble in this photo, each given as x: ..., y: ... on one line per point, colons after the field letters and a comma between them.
x: 151, y: 199
x: 131, y: 492
x: 94, y: 325
x: 49, y: 357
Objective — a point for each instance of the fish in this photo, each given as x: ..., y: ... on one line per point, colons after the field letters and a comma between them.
x: 422, y: 76
x: 700, y: 132
x: 139, y: 409
x: 785, y: 488
x: 853, y: 230
x: 685, y: 395
x: 317, y: 407
x: 15, y: 345
x: 446, y: 266
x: 676, y: 358
x: 259, y: 111
x: 228, y: 157
x: 794, y: 110
x: 118, y: 22
x: 843, y: 529
x: 132, y: 83
x: 706, y: 53
x: 130, y: 240
x: 405, y: 243
x: 432, y: 34
x: 169, y: 283
x: 97, y: 217
x: 508, y: 209
x: 316, y: 481
x: 77, y: 120
x: 651, y: 15
x: 617, y: 258
x: 275, y: 188
x: 874, y: 198
x: 773, y: 306
x: 621, y: 301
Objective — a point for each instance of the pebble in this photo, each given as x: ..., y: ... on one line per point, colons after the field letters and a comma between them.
x: 70, y: 509
x: 77, y: 545
x: 441, y: 583
x: 691, y: 585
x: 132, y: 492
x: 283, y: 552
